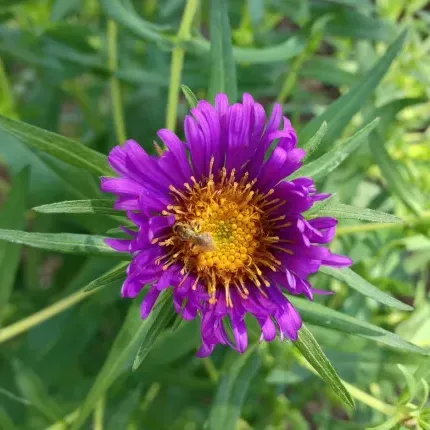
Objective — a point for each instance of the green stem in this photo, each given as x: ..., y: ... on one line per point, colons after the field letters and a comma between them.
x: 98, y: 415
x: 184, y: 34
x: 115, y: 87
x: 150, y: 396
x: 211, y: 369
x: 8, y: 102
x: 37, y: 318
x: 291, y: 77
x: 360, y: 395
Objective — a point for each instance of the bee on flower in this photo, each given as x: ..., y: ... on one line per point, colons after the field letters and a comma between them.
x: 220, y: 224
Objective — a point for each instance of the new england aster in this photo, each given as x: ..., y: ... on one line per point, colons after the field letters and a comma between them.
x: 218, y: 223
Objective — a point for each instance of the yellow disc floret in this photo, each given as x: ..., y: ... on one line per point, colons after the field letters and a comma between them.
x: 222, y: 234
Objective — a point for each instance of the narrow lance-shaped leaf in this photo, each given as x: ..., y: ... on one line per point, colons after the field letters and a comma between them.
x: 132, y: 334
x: 33, y: 389
x: 12, y: 215
x: 200, y: 46
x: 190, y: 96
x: 117, y: 273
x: 232, y: 390
x: 223, y: 67
x: 61, y: 242
x: 392, y: 174
x: 364, y: 287
x: 314, y: 313
x: 342, y: 211
x: 331, y: 160
x: 310, y: 349
x: 339, y: 113
x: 158, y: 320
x: 95, y: 206
x: 60, y: 147
x: 312, y: 144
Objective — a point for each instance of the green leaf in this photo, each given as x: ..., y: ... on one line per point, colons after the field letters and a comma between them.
x: 312, y: 144
x: 342, y: 211
x: 310, y: 349
x: 12, y: 215
x: 190, y: 96
x: 339, y: 113
x: 200, y: 46
x: 223, y: 67
x: 132, y: 334
x: 232, y: 390
x: 95, y: 206
x: 272, y: 54
x: 391, y: 172
x: 158, y: 320
x: 174, y: 344
x: 60, y: 147
x: 5, y: 421
x: 60, y: 242
x: 408, y: 395
x: 117, y: 273
x: 131, y: 21
x: 319, y: 315
x: 332, y: 159
x: 33, y: 389
x: 364, y: 287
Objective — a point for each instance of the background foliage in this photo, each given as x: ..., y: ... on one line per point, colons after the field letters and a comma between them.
x: 100, y: 71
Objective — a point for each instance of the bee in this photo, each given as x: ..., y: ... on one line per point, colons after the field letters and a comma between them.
x: 188, y: 234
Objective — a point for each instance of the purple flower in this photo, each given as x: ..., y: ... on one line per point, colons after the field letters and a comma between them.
x: 218, y: 223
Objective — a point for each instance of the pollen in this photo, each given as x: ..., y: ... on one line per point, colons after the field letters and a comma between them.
x: 224, y: 234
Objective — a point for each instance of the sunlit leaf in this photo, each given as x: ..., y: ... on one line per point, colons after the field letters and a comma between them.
x: 60, y: 242
x: 96, y: 206
x: 341, y: 211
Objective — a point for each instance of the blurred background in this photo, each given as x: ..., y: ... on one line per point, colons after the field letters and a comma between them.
x: 98, y: 71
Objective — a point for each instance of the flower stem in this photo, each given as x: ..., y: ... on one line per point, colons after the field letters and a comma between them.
x: 211, y: 369
x: 115, y: 88
x: 184, y: 34
x: 37, y: 318
x: 98, y: 415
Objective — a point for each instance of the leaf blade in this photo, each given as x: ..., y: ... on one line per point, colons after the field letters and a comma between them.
x: 92, y: 206
x: 60, y: 242
x: 12, y: 215
x: 115, y: 274
x: 343, y: 211
x: 119, y: 358
x: 58, y: 146
x: 339, y: 113
x: 312, y: 352
x: 355, y: 281
x: 332, y: 159
x: 316, y: 314
x: 231, y: 391
x: 223, y: 67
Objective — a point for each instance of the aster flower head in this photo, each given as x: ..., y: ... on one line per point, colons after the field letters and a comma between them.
x: 218, y: 222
